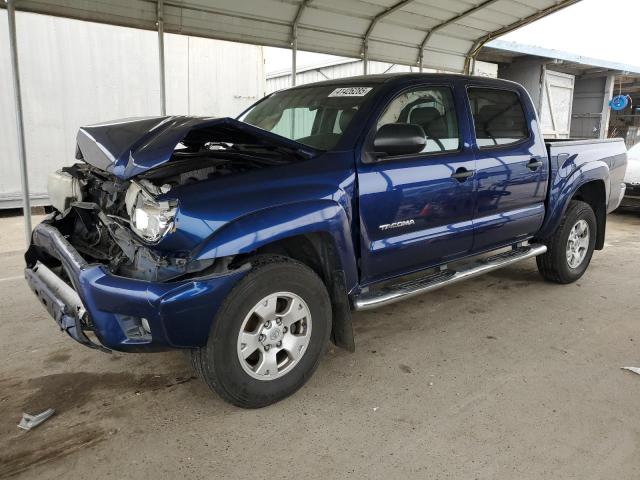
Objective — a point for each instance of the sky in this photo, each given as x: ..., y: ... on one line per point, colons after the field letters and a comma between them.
x: 590, y: 28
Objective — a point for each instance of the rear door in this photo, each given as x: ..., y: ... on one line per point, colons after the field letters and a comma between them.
x: 416, y: 210
x: 511, y: 167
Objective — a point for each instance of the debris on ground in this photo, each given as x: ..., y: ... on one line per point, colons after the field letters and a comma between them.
x: 32, y: 421
x: 632, y: 369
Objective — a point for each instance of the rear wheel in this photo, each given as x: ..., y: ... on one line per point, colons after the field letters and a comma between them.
x: 268, y: 336
x: 570, y: 249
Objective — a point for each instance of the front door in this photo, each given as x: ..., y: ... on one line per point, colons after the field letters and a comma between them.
x: 416, y: 210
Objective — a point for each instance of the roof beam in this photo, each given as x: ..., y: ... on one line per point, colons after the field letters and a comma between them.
x: 446, y: 23
x: 374, y: 21
x: 477, y: 46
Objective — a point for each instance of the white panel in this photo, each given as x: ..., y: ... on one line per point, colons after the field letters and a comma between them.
x: 413, y: 20
x: 557, y: 99
x: 224, y: 78
x: 490, y: 14
x: 334, y: 22
x: 176, y: 71
x: 485, y: 69
x: 437, y: 9
x: 410, y: 37
x: 76, y: 73
x: 449, y: 44
x: 456, y: 30
x: 516, y: 8
x: 355, y: 68
x: 488, y: 25
x: 367, y: 8
x: 9, y: 166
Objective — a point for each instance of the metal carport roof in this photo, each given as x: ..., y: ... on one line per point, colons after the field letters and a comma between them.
x: 444, y: 35
x: 440, y: 33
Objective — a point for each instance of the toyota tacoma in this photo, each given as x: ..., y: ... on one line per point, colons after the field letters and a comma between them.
x: 249, y: 242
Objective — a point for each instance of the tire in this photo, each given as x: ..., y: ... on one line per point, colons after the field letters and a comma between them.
x: 555, y: 265
x: 255, y: 381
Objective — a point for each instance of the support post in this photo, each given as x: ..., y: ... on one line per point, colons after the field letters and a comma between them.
x: 609, y: 85
x: 365, y: 58
x: 294, y: 55
x: 163, y: 97
x: 294, y: 40
x: 17, y: 96
x: 374, y: 21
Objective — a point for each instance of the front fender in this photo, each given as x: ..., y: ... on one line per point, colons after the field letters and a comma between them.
x: 564, y: 188
x: 260, y: 228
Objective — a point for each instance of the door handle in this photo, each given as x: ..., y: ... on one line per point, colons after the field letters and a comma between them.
x: 462, y: 174
x: 534, y: 164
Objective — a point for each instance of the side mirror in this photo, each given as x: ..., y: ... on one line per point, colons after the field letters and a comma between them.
x: 399, y: 139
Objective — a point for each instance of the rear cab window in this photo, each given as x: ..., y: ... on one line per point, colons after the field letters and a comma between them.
x: 433, y: 109
x: 498, y: 117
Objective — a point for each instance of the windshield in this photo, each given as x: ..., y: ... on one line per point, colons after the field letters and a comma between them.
x: 313, y: 116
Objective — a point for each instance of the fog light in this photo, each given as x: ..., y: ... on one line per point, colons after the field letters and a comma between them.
x: 145, y: 325
x: 135, y: 328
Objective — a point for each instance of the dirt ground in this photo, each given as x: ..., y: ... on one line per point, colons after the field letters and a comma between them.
x: 502, y: 377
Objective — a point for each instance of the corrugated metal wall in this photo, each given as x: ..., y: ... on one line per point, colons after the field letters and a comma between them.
x: 76, y: 73
x: 282, y: 80
x: 341, y: 70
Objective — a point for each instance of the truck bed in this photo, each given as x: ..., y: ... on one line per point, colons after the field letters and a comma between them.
x: 567, y: 155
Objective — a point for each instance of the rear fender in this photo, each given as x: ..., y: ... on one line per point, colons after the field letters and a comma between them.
x: 251, y: 232
x: 564, y: 189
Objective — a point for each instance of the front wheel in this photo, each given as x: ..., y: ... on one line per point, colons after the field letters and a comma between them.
x: 269, y: 335
x: 570, y: 248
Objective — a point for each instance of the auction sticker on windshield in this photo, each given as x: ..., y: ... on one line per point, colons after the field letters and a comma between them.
x: 350, y: 92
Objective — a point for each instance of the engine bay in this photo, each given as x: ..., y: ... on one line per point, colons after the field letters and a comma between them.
x: 116, y: 222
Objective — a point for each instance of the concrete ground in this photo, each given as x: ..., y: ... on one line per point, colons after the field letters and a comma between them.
x: 502, y: 377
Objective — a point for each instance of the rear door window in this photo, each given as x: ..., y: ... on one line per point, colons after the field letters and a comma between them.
x: 498, y: 117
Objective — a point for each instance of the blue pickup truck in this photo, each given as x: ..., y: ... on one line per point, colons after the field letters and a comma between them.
x: 249, y: 242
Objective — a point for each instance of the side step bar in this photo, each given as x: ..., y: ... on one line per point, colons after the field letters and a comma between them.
x: 401, y: 291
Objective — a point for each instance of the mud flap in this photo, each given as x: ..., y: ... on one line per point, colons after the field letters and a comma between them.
x: 342, y: 327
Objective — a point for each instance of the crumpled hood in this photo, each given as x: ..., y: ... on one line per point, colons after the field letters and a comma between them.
x: 129, y: 147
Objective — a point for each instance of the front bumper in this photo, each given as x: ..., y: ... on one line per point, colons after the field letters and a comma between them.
x: 179, y: 314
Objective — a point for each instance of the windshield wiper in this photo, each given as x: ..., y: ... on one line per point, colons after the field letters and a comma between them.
x: 281, y: 149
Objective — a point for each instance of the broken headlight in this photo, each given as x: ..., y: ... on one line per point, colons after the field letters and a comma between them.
x: 150, y: 219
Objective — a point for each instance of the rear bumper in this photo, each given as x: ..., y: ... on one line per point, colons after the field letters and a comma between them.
x: 631, y: 198
x: 179, y: 314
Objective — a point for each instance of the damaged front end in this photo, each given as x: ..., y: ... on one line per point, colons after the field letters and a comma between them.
x: 115, y: 223
x: 96, y: 305
x: 102, y: 263
x: 95, y: 267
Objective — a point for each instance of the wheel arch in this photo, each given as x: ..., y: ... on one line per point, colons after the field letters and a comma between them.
x: 594, y: 194
x: 588, y: 183
x: 317, y: 234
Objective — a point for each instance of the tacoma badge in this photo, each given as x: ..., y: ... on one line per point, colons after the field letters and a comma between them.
x: 402, y: 223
